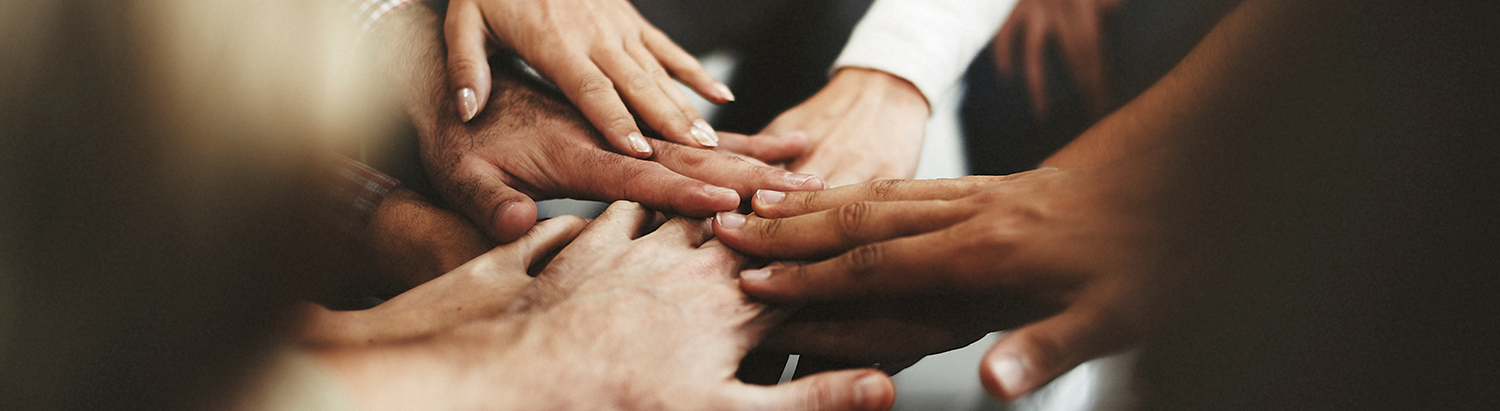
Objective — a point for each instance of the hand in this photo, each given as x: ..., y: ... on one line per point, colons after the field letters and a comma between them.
x: 538, y: 147
x: 479, y: 289
x: 864, y: 125
x: 618, y: 320
x: 1079, y: 239
x: 410, y: 241
x: 532, y: 144
x: 591, y: 49
x: 1078, y: 27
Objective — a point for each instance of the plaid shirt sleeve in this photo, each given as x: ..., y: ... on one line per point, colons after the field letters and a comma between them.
x: 357, y: 192
x: 366, y: 13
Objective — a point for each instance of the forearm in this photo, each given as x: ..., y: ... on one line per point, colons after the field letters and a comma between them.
x: 1240, y: 81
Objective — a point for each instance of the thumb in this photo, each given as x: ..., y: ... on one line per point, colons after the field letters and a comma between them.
x: 546, y: 238
x: 861, y: 390
x: 468, y: 64
x: 503, y: 213
x: 766, y: 148
x: 1028, y: 358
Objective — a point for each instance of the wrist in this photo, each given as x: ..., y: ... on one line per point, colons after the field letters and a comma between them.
x: 889, y: 90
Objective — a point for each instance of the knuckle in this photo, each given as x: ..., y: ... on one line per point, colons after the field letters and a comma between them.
x: 771, y: 228
x: 864, y: 260
x: 640, y: 82
x: 884, y: 188
x: 462, y: 65
x: 849, y: 219
x: 594, y: 86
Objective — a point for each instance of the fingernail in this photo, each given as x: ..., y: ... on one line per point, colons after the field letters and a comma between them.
x: 1008, y: 371
x: 704, y: 134
x: 716, y: 191
x: 759, y: 274
x: 868, y: 391
x: 799, y: 179
x: 730, y: 219
x: 769, y: 197
x: 724, y: 92
x: 468, y: 104
x: 793, y: 134
x: 638, y: 143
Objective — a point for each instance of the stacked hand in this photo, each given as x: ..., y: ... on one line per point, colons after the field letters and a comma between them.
x: 865, y: 125
x: 965, y: 256
x: 601, y: 53
x: 618, y: 320
x: 530, y: 144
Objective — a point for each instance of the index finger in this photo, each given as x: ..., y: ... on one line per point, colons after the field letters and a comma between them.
x: 827, y: 233
x: 936, y: 261
x: 777, y: 204
x: 595, y: 95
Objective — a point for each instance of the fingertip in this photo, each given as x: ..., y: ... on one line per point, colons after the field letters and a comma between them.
x: 720, y: 198
x: 468, y: 104
x: 637, y: 145
x: 729, y: 220
x: 723, y: 92
x: 1004, y: 376
x: 513, y: 220
x: 874, y: 391
x: 704, y: 134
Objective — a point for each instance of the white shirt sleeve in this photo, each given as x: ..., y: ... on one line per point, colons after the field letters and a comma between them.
x: 927, y: 42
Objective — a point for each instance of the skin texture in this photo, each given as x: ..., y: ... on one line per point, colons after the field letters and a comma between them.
x: 1076, y: 28
x: 993, y: 252
x: 410, y: 241
x: 1127, y: 231
x: 531, y: 144
x: 480, y: 289
x: 602, y: 54
x: 864, y: 125
x: 627, y: 316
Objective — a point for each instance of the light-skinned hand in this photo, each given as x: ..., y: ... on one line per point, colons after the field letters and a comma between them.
x: 601, y: 53
x: 864, y: 125
x: 479, y: 289
x: 618, y: 320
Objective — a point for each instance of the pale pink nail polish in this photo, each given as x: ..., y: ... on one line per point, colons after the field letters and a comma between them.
x: 638, y: 143
x: 468, y: 104
x: 724, y: 92
x: 705, y: 134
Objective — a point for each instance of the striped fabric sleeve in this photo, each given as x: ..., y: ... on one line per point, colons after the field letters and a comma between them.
x: 365, y: 13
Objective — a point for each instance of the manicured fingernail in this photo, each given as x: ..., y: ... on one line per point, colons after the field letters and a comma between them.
x: 793, y: 134
x: 769, y: 197
x: 759, y: 274
x: 716, y: 191
x: 724, y: 92
x: 705, y: 134
x: 468, y: 104
x: 868, y: 391
x: 1008, y: 371
x: 638, y: 143
x: 730, y: 219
